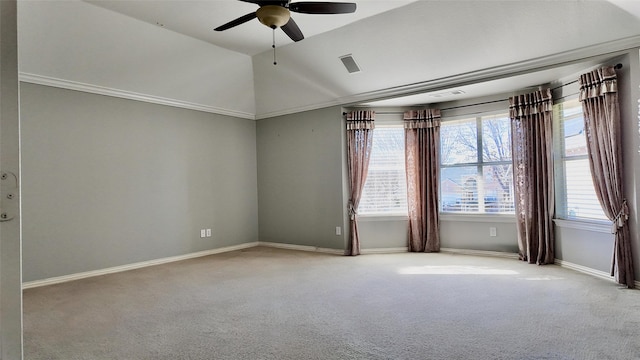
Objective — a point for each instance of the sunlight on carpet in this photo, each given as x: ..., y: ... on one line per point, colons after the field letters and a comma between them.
x: 453, y: 270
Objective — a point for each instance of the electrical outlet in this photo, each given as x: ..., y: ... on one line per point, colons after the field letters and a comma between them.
x: 203, y: 233
x: 492, y: 231
x: 208, y: 232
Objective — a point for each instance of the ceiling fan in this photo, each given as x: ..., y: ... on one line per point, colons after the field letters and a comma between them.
x: 276, y: 14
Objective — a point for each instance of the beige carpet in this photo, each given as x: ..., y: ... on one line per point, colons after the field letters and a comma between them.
x: 264, y: 303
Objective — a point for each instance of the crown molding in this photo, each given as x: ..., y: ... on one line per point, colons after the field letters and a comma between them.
x: 299, y: 109
x: 608, y: 49
x: 130, y: 95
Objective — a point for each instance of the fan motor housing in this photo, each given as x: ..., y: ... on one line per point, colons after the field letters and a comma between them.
x: 273, y: 16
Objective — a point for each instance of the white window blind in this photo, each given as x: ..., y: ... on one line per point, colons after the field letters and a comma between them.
x: 577, y: 197
x: 385, y: 191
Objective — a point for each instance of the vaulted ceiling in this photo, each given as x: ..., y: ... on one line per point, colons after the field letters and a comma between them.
x: 198, y: 18
x: 167, y: 50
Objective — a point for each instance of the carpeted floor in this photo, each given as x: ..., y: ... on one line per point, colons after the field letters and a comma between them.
x: 264, y: 303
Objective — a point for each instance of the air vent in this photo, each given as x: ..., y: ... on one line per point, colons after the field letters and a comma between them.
x: 447, y: 93
x: 350, y: 63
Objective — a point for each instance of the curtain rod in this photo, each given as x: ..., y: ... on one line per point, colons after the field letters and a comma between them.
x: 617, y: 67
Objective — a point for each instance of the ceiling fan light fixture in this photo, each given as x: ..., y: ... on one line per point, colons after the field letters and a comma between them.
x: 273, y: 16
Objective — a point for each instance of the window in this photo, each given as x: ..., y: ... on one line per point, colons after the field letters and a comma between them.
x: 575, y: 194
x: 385, y: 191
x: 475, y: 165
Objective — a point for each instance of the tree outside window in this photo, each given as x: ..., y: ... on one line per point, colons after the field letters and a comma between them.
x: 476, y: 170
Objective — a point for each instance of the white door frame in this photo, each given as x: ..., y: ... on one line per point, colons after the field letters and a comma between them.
x: 10, y: 204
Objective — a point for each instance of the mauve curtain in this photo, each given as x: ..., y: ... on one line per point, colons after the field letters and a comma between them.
x: 360, y: 125
x: 599, y: 97
x: 422, y: 146
x: 532, y: 146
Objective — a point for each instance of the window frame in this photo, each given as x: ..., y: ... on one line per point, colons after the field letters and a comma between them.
x: 480, y: 164
x: 561, y: 217
x: 387, y: 216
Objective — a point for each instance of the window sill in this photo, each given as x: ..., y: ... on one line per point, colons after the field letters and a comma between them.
x: 491, y: 218
x: 385, y: 217
x: 595, y: 225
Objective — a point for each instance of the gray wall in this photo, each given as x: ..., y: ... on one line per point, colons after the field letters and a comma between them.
x: 473, y: 233
x: 469, y: 232
x: 588, y: 248
x: 383, y: 233
x: 299, y: 173
x: 108, y: 181
x: 300, y: 178
x: 302, y: 192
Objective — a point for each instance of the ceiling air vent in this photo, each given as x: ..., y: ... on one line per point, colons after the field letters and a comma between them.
x: 350, y: 64
x: 447, y: 93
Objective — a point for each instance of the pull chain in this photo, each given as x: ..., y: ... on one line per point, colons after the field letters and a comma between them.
x: 274, y: 47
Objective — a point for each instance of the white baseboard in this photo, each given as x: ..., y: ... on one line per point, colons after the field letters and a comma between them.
x: 301, y: 248
x: 384, y: 250
x: 480, y: 253
x: 589, y: 271
x: 585, y: 270
x: 138, y: 265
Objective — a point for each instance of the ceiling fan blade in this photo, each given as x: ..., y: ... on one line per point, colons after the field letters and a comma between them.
x: 292, y: 30
x: 306, y: 7
x: 236, y: 22
x: 267, y: 2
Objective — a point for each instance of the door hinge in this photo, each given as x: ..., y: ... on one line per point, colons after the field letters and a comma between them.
x: 9, y: 193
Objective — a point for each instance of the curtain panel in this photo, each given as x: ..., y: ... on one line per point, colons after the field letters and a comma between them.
x: 422, y: 160
x: 599, y: 97
x: 360, y: 125
x: 532, y: 147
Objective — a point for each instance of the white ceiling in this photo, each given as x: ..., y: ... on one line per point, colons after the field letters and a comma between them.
x: 198, y: 19
x: 162, y: 50
x: 553, y: 77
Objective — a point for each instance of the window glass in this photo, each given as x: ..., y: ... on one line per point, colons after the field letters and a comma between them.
x: 459, y: 143
x: 385, y: 191
x: 459, y: 189
x: 496, y: 138
x: 575, y: 142
x: 498, y: 183
x: 476, y: 172
x: 576, y: 196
